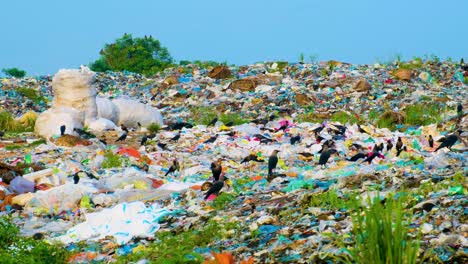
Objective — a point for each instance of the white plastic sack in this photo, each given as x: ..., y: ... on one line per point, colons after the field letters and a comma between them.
x: 106, y: 109
x: 102, y: 124
x: 123, y: 222
x: 58, y: 199
x: 48, y: 122
x: 131, y: 112
x: 248, y: 129
x: 73, y: 89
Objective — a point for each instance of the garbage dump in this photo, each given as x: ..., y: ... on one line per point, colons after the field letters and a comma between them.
x: 265, y: 163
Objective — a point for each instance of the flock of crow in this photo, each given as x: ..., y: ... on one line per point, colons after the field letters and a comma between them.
x: 327, y: 147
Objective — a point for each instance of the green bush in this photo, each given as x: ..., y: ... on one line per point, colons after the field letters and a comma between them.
x: 222, y: 200
x: 202, y: 115
x: 8, y: 123
x: 154, y: 128
x: 111, y: 160
x: 170, y: 247
x: 14, y: 72
x: 423, y: 114
x: 140, y: 55
x: 17, y: 249
x: 381, y: 233
x: 31, y: 94
x: 344, y: 118
x: 237, y: 119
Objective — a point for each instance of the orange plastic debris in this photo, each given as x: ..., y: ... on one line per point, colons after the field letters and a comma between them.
x: 130, y: 152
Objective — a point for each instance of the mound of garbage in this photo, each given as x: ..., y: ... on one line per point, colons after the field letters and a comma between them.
x: 265, y: 163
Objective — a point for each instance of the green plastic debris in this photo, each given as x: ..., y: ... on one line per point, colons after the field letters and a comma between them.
x: 456, y: 190
x: 85, y: 202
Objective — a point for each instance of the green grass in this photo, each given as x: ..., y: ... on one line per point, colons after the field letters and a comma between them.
x: 17, y: 249
x: 423, y: 114
x: 381, y: 234
x: 8, y: 123
x: 179, y: 247
x: 344, y: 118
x: 20, y: 146
x: 310, y: 117
x: 30, y: 93
x: 222, y: 200
x: 329, y: 200
x: 202, y: 115
x: 154, y: 128
x: 111, y: 160
x: 237, y: 119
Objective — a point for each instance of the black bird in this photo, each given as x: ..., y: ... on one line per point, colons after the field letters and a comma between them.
x: 373, y: 156
x: 84, y: 134
x: 176, y: 137
x: 215, y: 188
x: 449, y: 141
x: 2, y: 134
x: 428, y: 207
x: 389, y: 145
x: 459, y: 110
x: 213, y: 122
x: 283, y: 127
x: 263, y: 139
x: 174, y: 167
x: 357, y: 157
x: 230, y: 124
x: 179, y: 125
x: 211, y: 139
x: 378, y: 148
x: 143, y: 140
x: 401, y: 150
x: 122, y: 137
x: 318, y: 129
x: 399, y: 144
x: 251, y: 157
x: 326, y: 145
x: 361, y: 130
x: 272, y: 162
x: 216, y: 169
x: 162, y: 145
x: 326, y: 153
x: 295, y: 139
x: 76, y: 178
x: 62, y: 130
x: 431, y: 141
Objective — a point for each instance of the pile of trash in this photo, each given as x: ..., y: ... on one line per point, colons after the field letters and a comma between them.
x: 274, y: 162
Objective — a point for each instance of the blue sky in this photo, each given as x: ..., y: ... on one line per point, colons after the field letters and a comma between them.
x: 44, y: 36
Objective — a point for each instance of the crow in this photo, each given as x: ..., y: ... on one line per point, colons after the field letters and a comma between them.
x: 174, y: 167
x: 431, y: 141
x: 176, y: 137
x: 122, y: 137
x: 211, y: 139
x: 357, y: 157
x: 272, y: 162
x: 449, y: 141
x: 213, y: 122
x: 389, y: 145
x: 215, y: 188
x: 399, y: 145
x: 295, y: 139
x: 143, y: 140
x: 216, y: 169
x: 326, y: 153
x: 251, y: 157
x: 62, y: 130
